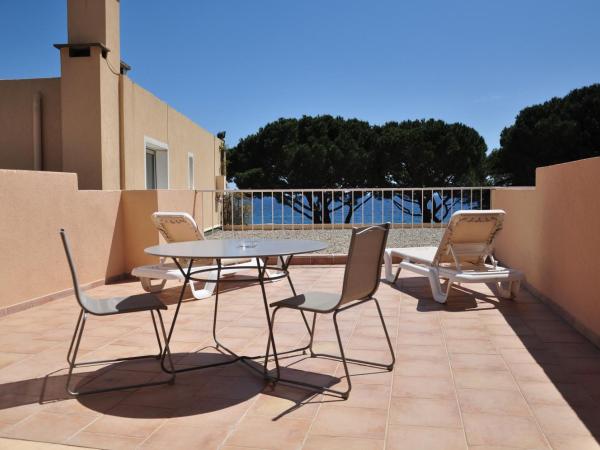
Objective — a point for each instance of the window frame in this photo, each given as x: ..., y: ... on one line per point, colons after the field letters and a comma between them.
x: 153, y: 146
x: 191, y: 175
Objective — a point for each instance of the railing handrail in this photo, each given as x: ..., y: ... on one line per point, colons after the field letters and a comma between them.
x: 366, y: 189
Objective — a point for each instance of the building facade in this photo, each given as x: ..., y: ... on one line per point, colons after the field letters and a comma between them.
x: 95, y: 121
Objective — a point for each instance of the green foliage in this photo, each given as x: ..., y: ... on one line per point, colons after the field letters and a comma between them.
x: 559, y: 130
x: 432, y: 153
x: 332, y: 152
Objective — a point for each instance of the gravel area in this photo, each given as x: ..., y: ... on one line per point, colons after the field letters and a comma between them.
x: 339, y: 240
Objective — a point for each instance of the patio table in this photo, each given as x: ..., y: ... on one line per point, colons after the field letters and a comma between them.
x: 185, y: 253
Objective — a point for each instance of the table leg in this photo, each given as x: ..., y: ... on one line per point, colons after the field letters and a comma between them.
x: 262, y: 270
x: 187, y: 275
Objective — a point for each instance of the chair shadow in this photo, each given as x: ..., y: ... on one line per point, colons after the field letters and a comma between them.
x: 570, y: 362
x: 193, y: 393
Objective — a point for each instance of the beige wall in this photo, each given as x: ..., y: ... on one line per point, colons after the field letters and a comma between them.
x: 138, y: 206
x: 93, y: 21
x: 90, y: 95
x: 108, y: 231
x: 552, y: 232
x: 144, y: 115
x: 35, y: 205
x: 17, y: 123
x: 95, y: 120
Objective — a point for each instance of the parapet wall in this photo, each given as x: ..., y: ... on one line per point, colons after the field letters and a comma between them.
x: 552, y: 233
x: 108, y: 231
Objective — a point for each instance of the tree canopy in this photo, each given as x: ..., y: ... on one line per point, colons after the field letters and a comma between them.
x: 333, y: 152
x: 559, y: 130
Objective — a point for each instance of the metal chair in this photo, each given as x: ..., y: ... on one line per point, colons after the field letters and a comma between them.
x: 361, y: 280
x: 107, y: 307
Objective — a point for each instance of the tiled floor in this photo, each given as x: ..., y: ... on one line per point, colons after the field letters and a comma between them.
x: 476, y: 373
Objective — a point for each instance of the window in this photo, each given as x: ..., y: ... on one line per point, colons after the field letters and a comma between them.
x: 191, y: 171
x: 157, y: 165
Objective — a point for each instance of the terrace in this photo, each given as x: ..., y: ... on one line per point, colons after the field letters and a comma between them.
x: 476, y: 372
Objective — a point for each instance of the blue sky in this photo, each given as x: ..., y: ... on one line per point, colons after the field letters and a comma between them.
x: 237, y: 65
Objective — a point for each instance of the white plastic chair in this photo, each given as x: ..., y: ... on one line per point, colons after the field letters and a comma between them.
x: 180, y: 227
x: 463, y: 256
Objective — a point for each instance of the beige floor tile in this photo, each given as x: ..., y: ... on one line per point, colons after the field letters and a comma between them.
x: 564, y: 420
x: 316, y: 442
x: 507, y: 431
x: 427, y: 368
x: 105, y: 441
x: 350, y: 422
x: 479, y: 346
x: 263, y: 432
x: 17, y: 444
x: 423, y: 387
x: 174, y: 437
x: 488, y: 401
x: 425, y: 438
x: 50, y: 427
x: 369, y: 396
x: 570, y: 442
x: 477, y: 362
x: 483, y: 379
x: 438, y: 412
x: 556, y: 394
x: 412, y: 352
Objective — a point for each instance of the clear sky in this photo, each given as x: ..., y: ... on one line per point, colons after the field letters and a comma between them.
x: 237, y: 65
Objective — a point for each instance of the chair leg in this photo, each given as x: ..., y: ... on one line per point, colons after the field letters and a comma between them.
x: 387, y: 336
x: 74, y: 349
x: 343, y: 394
x: 508, y: 289
x: 209, y: 287
x: 149, y: 287
x: 342, y: 357
x: 346, y: 393
x: 436, y: 288
x: 69, y: 360
x: 387, y: 259
x: 167, y: 349
x: 160, y: 349
x: 311, y: 331
x: 272, y: 339
x: 388, y: 366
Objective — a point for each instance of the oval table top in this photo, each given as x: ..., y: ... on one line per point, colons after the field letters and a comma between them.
x: 236, y: 248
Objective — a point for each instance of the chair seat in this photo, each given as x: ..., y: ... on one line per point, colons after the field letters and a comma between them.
x: 311, y: 301
x: 119, y: 305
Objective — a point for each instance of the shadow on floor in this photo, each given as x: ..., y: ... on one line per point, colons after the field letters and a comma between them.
x: 193, y: 393
x: 556, y: 368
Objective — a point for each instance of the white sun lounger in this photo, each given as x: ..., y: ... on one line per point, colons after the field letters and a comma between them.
x: 179, y: 227
x: 463, y: 256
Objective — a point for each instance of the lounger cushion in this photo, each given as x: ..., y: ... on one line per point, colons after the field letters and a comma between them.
x: 422, y: 255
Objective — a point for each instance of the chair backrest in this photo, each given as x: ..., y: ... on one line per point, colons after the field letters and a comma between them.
x: 176, y: 226
x: 363, y: 267
x: 469, y: 237
x: 78, y: 293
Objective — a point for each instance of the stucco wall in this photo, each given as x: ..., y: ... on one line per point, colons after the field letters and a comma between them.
x: 144, y: 115
x: 17, y: 123
x: 108, y: 231
x: 35, y: 205
x: 552, y: 232
x: 138, y: 207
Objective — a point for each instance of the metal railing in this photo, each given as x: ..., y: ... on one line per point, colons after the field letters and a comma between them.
x: 314, y: 209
